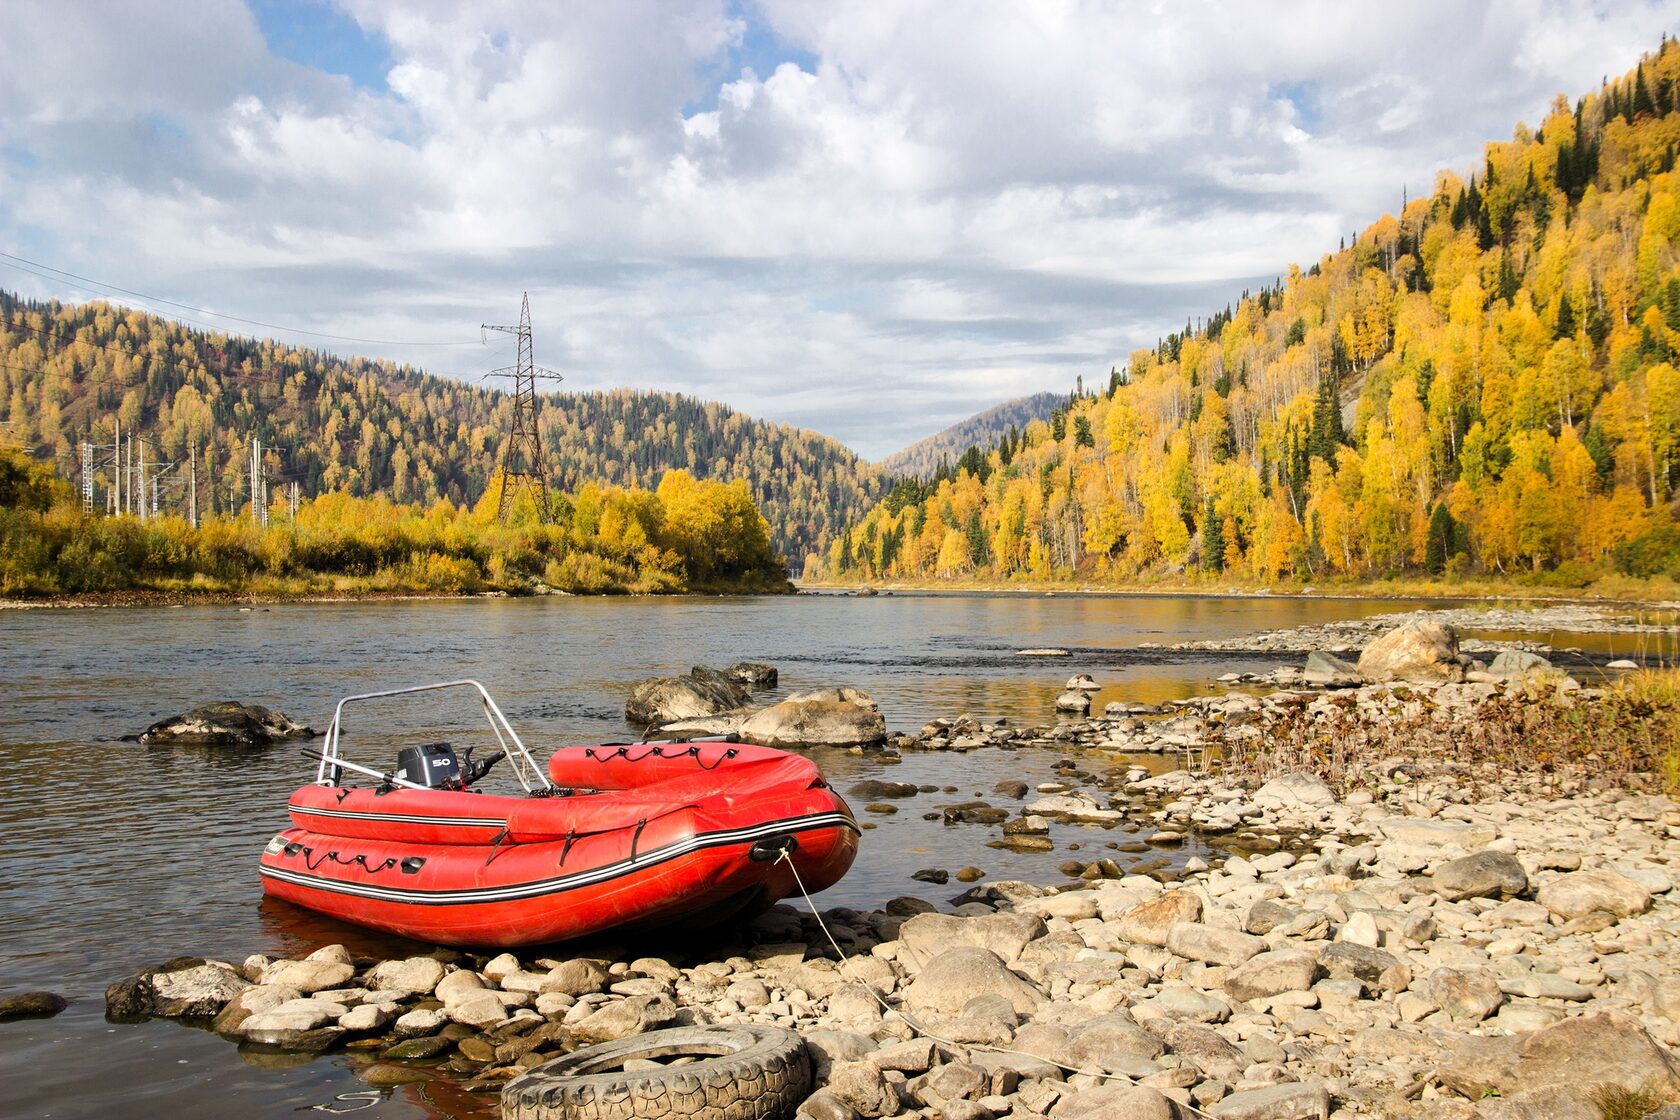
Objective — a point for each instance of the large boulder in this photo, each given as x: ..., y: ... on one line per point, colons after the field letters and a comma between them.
x: 948, y: 981
x: 704, y: 692
x: 1481, y: 875
x: 1589, y: 1053
x: 829, y: 717
x: 1296, y: 790
x: 1419, y: 650
x: 1580, y: 893
x: 1272, y: 973
x: 635, y: 1015
x: 416, y: 976
x: 1150, y: 921
x: 1006, y: 934
x: 199, y: 992
x: 227, y: 723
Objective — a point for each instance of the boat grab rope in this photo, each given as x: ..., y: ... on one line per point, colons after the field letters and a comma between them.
x: 496, y: 845
x: 786, y: 856
x: 351, y: 862
x: 660, y: 752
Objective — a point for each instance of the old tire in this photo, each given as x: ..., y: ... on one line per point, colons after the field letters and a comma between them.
x: 744, y: 1073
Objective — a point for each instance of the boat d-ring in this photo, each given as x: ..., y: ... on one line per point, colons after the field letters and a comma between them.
x: 772, y: 849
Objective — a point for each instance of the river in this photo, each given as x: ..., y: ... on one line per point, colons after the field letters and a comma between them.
x: 114, y: 856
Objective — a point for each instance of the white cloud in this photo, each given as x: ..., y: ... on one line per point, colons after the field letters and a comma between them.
x: 863, y: 218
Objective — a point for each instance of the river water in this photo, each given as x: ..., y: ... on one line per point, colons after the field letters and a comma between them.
x: 115, y: 856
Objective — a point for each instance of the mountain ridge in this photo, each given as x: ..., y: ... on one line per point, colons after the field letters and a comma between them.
x: 72, y: 372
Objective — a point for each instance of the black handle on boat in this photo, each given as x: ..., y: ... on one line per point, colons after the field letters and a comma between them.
x: 773, y: 848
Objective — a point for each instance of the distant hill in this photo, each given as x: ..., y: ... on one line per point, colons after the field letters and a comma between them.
x: 921, y: 459
x: 71, y: 372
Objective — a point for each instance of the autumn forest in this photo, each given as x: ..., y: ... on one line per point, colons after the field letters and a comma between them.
x: 1484, y: 385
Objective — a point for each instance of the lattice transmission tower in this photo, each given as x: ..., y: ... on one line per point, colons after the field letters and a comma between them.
x: 522, y: 456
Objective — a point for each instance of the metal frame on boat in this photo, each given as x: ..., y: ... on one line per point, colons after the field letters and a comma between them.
x: 332, y: 761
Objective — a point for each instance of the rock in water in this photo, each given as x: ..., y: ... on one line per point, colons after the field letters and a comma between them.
x: 1420, y: 650
x: 754, y: 673
x: 32, y: 1005
x: 1074, y: 701
x: 704, y: 692
x: 225, y: 724
x: 829, y: 717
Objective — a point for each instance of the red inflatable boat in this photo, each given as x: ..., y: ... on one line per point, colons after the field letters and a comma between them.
x: 621, y: 838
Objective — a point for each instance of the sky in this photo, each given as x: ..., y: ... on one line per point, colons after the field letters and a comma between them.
x: 871, y: 219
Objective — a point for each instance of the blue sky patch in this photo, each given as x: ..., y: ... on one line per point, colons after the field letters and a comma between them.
x: 317, y: 34
x: 761, y: 50
x: 1302, y: 95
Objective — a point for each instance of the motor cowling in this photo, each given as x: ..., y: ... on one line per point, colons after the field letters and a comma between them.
x: 433, y: 765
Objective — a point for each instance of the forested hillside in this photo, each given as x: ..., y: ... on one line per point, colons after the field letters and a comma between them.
x: 982, y: 430
x: 69, y: 373
x: 1485, y: 383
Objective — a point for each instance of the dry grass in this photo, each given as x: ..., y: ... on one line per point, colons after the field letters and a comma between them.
x: 1616, y: 1103
x: 1629, y: 735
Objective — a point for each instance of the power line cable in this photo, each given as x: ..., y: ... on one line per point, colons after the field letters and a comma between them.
x: 61, y: 273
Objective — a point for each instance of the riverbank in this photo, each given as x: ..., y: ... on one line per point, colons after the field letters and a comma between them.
x: 1658, y: 592
x: 1449, y: 898
x: 270, y: 595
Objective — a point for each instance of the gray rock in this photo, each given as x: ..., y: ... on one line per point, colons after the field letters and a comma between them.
x: 1518, y: 663
x: 1609, y: 1050
x: 1122, y: 1102
x: 635, y: 1015
x: 1343, y: 960
x: 1579, y: 893
x: 227, y: 723
x: 860, y: 1086
x: 1326, y: 670
x: 949, y: 980
x: 828, y: 1048
x: 834, y: 717
x: 1272, y: 973
x: 308, y: 976
x: 1545, y: 985
x: 1150, y: 922
x: 368, y: 1017
x: 195, y: 993
x: 31, y: 1005
x: 1111, y: 1042
x: 1206, y: 1049
x: 1481, y: 875
x: 1213, y: 945
x: 1464, y: 993
x: 875, y: 789
x: 1295, y: 791
x: 1075, y: 701
x: 1418, y: 650
x: 1275, y: 1102
x: 1006, y: 934
x: 415, y: 976
x: 704, y: 692
x: 756, y: 674
x: 580, y: 977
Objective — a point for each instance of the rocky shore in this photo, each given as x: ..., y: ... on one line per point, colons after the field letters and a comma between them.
x: 1412, y: 927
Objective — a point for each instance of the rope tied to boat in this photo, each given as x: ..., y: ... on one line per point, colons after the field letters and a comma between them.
x: 786, y: 856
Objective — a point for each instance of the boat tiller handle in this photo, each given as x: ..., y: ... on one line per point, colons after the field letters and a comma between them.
x: 773, y: 848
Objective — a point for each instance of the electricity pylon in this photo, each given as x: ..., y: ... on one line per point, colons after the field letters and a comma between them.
x: 522, y: 453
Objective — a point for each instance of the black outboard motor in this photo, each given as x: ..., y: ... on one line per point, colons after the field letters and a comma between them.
x: 433, y: 765
x: 436, y: 766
